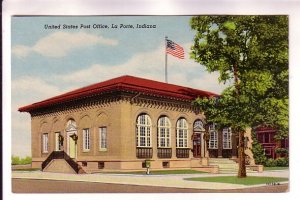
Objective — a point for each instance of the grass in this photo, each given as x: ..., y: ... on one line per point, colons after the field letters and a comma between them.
x: 27, y: 169
x: 275, y: 168
x: 161, y: 172
x: 250, y: 180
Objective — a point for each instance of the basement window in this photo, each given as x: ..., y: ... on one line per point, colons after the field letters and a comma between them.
x: 165, y: 164
x: 84, y: 164
x: 101, y: 165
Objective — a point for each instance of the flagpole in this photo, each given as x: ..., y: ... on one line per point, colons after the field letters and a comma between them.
x: 166, y: 61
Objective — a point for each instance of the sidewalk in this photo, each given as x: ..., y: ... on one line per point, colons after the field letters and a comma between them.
x: 176, y: 181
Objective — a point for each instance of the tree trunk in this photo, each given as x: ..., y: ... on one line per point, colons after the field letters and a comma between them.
x: 242, y: 160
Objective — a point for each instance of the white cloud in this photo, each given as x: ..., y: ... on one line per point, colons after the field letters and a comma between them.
x: 26, y: 90
x: 150, y: 65
x: 21, y: 51
x: 32, y: 89
x: 59, y: 44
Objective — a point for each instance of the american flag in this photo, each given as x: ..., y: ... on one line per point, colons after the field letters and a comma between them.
x: 174, y: 49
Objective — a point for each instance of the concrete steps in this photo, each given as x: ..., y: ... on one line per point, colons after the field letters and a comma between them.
x: 226, y: 165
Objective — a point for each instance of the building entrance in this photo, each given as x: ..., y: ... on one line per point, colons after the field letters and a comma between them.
x: 197, y: 145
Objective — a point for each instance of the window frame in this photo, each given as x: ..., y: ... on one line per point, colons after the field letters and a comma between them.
x: 86, y: 141
x: 213, y: 137
x: 57, y: 142
x: 227, y: 141
x: 182, y: 129
x: 166, y: 127
x: 45, y: 143
x: 144, y: 126
x: 101, y: 140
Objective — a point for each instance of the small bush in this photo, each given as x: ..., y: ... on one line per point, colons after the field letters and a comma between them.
x: 282, y: 162
x: 270, y: 163
x: 281, y: 151
x: 16, y: 160
x: 279, y: 162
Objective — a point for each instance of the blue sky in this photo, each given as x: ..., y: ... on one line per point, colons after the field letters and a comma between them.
x: 48, y: 62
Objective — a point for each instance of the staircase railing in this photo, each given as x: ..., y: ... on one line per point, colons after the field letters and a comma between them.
x: 61, y: 155
x: 53, y: 155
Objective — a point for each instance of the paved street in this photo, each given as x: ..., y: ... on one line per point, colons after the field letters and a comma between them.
x: 131, y: 183
x: 50, y: 186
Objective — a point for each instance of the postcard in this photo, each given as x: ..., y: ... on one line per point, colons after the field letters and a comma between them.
x: 131, y: 104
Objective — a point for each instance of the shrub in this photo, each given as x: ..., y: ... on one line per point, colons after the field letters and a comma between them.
x: 270, y: 163
x: 281, y: 151
x: 16, y: 160
x: 282, y: 162
x: 258, y: 151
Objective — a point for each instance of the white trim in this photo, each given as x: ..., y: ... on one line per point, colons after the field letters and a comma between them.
x: 100, y: 138
x: 166, y: 126
x: 213, y: 137
x: 144, y: 123
x: 198, y: 126
x: 57, y: 146
x: 45, y: 146
x: 86, y: 140
x: 227, y: 138
x: 181, y: 125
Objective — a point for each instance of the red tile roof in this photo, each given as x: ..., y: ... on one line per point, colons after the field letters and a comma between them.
x: 125, y: 83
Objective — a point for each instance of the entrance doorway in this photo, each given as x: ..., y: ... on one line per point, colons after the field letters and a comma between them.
x: 197, y: 145
x: 72, y: 137
x: 72, y: 144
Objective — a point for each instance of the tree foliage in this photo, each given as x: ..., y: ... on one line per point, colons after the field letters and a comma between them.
x: 258, y: 47
x: 252, y: 53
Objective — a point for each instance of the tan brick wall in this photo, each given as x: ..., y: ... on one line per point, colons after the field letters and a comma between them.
x: 60, y: 166
x: 120, y: 119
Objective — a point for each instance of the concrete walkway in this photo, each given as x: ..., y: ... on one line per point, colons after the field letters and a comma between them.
x: 176, y: 181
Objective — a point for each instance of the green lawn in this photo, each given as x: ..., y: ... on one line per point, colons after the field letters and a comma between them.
x: 250, y: 180
x: 27, y: 169
x: 161, y: 172
x: 275, y: 168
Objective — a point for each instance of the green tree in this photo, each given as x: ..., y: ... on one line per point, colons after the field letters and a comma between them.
x: 251, y: 52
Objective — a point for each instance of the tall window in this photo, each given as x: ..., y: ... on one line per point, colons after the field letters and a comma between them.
x: 227, y: 138
x: 213, y: 137
x: 181, y: 133
x: 57, y: 142
x: 143, y: 131
x: 103, y: 138
x: 164, y: 135
x: 45, y: 143
x: 86, y: 139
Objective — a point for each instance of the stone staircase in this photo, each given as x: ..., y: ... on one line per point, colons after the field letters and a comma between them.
x: 226, y: 165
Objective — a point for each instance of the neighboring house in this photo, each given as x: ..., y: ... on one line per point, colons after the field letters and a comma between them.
x: 120, y: 123
x: 266, y: 137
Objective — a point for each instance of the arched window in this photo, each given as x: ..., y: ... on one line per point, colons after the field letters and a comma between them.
x: 181, y: 133
x: 198, y: 126
x: 213, y: 137
x: 143, y: 131
x: 227, y: 138
x: 164, y: 132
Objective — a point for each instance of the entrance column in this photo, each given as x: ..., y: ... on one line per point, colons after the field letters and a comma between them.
x: 202, y: 145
